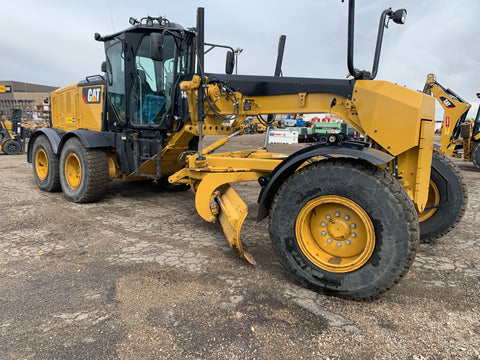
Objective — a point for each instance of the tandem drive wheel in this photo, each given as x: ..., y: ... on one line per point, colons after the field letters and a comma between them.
x: 447, y: 199
x: 45, y: 165
x: 83, y: 172
x: 344, y: 227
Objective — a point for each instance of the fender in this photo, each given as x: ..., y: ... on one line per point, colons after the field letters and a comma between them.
x: 54, y: 135
x: 90, y: 139
x: 271, y: 183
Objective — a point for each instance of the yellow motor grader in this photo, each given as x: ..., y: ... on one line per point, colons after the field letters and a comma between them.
x: 343, y: 213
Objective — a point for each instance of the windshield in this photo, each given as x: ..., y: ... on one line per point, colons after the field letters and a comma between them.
x: 150, y: 82
x: 153, y: 83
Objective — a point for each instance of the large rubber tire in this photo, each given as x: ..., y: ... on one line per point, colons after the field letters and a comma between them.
x: 447, y: 199
x: 45, y: 165
x: 344, y: 227
x: 83, y: 172
x: 12, y: 147
x: 476, y: 156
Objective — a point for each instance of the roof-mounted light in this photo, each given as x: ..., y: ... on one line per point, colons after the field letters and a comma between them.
x: 149, y: 21
x: 399, y: 16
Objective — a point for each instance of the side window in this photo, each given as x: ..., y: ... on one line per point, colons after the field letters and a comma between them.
x: 116, y: 80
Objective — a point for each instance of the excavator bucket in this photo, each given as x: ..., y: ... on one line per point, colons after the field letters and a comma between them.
x: 233, y: 212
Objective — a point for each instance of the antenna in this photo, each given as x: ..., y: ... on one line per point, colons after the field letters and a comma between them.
x: 111, y: 16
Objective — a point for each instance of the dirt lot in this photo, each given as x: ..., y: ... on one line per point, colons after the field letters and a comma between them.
x: 140, y: 275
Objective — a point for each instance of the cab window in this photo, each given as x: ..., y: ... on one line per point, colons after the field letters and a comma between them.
x: 153, y: 83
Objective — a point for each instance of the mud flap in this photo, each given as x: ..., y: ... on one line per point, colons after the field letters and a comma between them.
x: 233, y: 212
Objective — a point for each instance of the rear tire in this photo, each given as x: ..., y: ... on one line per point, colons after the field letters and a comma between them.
x: 476, y: 156
x: 12, y: 147
x: 83, y: 172
x: 344, y: 227
x: 45, y: 165
x: 449, y: 192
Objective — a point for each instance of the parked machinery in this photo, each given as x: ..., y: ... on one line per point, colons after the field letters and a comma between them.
x: 11, y: 139
x: 460, y: 137
x: 448, y: 192
x: 343, y: 214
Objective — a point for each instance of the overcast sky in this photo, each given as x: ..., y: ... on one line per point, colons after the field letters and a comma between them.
x: 51, y: 42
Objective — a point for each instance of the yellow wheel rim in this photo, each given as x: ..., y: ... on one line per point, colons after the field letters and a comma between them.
x: 41, y: 164
x: 73, y: 171
x: 433, y: 200
x: 335, y: 234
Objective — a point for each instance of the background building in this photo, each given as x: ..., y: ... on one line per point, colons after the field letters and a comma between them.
x: 16, y: 90
x: 32, y: 99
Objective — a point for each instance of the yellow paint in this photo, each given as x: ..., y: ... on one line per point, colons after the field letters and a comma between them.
x: 71, y: 111
x: 335, y: 234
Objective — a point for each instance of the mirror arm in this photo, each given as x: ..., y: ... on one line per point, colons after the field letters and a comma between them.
x: 212, y: 46
x: 378, y: 48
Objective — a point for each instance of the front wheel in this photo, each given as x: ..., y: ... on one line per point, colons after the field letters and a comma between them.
x: 83, y: 172
x: 447, y: 199
x: 344, y: 227
x: 12, y: 147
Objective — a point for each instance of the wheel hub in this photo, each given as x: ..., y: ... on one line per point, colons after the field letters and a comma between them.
x: 335, y: 233
x: 41, y: 164
x: 432, y: 201
x: 73, y: 171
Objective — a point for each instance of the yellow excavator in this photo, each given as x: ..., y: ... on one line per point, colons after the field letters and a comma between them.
x: 460, y: 137
x: 343, y: 213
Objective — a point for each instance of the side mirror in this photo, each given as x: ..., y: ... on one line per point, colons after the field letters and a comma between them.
x: 230, y: 63
x: 156, y: 46
x: 104, y: 67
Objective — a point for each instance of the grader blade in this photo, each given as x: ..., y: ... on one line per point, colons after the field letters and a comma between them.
x: 233, y: 212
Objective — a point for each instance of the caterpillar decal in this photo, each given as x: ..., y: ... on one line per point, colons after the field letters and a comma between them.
x: 92, y: 95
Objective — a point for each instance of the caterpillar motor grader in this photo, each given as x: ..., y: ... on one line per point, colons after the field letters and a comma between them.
x: 343, y: 214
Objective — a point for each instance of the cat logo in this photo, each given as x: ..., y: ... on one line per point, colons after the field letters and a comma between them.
x: 92, y: 95
x: 447, y: 102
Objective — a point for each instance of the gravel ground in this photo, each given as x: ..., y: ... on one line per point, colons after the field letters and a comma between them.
x: 139, y: 275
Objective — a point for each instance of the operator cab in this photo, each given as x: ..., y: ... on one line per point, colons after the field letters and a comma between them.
x: 144, y: 65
